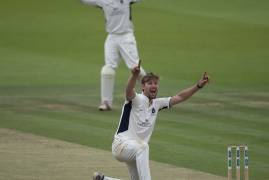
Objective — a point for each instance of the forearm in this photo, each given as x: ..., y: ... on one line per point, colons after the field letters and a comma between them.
x: 183, y: 95
x: 130, y: 92
x: 187, y: 93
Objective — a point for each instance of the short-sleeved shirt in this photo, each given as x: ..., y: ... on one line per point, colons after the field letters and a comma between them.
x: 138, y: 117
x: 117, y: 14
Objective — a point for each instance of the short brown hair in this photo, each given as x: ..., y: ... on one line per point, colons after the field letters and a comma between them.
x: 148, y: 77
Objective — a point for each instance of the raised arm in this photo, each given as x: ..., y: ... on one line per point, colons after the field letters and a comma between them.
x: 130, y: 91
x: 187, y: 93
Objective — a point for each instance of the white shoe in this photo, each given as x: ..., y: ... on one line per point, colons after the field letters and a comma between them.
x: 104, y: 106
x: 98, y: 176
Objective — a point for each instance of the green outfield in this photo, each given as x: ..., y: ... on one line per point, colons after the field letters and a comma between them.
x: 51, y: 53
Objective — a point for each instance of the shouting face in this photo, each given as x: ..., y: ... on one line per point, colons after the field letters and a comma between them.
x: 150, y: 88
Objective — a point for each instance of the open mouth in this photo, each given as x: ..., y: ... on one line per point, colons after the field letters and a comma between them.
x: 153, y: 91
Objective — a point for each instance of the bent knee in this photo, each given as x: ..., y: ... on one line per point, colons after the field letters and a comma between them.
x: 108, y: 70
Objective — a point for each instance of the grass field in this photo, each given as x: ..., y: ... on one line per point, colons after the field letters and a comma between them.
x: 51, y: 53
x: 26, y: 156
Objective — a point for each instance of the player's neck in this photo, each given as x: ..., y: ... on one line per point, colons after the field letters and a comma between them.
x: 150, y: 100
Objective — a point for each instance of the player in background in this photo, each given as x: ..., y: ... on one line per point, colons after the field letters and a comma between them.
x: 137, y: 122
x: 120, y: 43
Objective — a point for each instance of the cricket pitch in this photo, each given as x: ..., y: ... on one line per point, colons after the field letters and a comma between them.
x: 25, y: 156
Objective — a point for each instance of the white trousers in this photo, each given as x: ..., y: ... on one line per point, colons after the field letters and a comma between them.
x: 136, y: 156
x: 117, y: 47
x: 121, y: 45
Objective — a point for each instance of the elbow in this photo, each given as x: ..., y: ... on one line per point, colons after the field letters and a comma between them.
x: 179, y: 99
x: 129, y: 98
x: 130, y: 94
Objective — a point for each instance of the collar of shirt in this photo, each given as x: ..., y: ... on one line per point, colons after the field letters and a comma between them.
x: 149, y: 102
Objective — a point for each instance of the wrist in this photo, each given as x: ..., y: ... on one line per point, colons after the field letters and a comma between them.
x: 135, y: 76
x: 199, y: 86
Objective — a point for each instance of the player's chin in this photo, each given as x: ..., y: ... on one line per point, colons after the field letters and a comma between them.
x: 153, y: 95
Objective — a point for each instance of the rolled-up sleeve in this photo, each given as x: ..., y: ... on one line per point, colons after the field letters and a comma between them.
x: 163, y: 103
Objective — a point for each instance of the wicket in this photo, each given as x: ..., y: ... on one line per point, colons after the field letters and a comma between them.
x: 238, y: 149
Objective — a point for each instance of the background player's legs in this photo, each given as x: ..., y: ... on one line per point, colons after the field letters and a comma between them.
x: 107, y: 87
x: 129, y: 53
x: 108, y: 72
x: 142, y: 73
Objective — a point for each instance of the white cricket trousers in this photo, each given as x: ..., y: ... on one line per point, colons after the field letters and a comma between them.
x: 121, y: 45
x: 117, y: 47
x: 135, y: 154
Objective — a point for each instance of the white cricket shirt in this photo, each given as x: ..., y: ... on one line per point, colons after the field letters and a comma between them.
x: 138, y: 117
x: 117, y: 14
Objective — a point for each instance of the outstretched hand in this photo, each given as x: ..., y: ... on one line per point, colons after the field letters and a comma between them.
x: 203, y: 81
x: 136, y: 69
